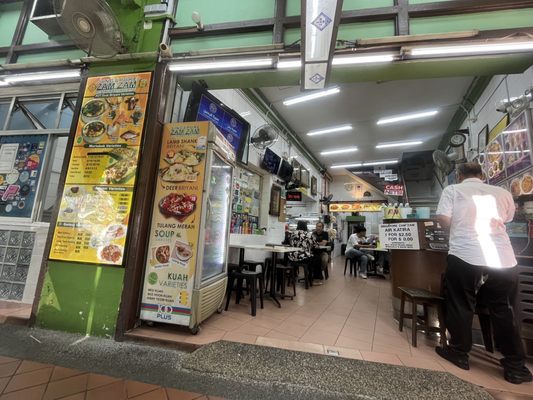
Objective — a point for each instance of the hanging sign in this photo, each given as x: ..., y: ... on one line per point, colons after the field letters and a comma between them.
x: 294, y: 196
x: 391, y: 178
x: 94, y: 212
x: 353, y: 207
x: 393, y: 190
x: 402, y: 236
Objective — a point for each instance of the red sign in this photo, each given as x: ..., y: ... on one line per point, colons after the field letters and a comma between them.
x: 393, y: 190
x: 294, y: 196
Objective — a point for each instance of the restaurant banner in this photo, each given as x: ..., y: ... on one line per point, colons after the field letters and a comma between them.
x: 21, y: 160
x: 92, y: 223
x: 353, y: 207
x: 401, y: 236
x: 393, y: 190
x: 173, y: 241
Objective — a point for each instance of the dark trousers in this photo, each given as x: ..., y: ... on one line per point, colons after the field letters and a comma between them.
x: 462, y: 282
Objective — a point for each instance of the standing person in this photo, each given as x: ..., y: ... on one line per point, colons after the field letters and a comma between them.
x: 480, y: 254
x: 303, y: 239
x: 321, y: 237
x: 357, y: 241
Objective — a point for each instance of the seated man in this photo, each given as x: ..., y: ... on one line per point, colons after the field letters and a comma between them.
x: 322, y: 239
x: 304, y: 240
x: 356, y: 242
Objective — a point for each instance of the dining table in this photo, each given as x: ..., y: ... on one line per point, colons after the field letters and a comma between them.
x: 374, y: 250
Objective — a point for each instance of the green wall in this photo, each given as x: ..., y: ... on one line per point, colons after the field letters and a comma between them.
x: 9, y: 16
x: 80, y: 298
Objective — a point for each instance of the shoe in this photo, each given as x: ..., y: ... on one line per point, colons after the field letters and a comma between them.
x: 363, y: 276
x: 516, y: 375
x: 456, y: 359
x: 318, y: 283
x: 371, y: 257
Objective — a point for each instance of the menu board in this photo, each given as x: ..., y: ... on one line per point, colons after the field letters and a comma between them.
x: 173, y: 241
x: 401, y: 236
x: 21, y: 159
x: 351, y: 207
x: 522, y: 184
x: 517, y: 144
x: 494, y: 161
x: 92, y: 223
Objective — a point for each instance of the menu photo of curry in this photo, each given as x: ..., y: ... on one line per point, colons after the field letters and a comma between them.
x: 109, y: 120
x: 522, y: 184
x: 178, y: 205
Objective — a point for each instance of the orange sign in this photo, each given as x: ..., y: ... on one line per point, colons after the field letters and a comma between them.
x: 353, y: 207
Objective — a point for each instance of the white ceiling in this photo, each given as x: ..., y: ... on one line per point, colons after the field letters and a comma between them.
x: 362, y: 104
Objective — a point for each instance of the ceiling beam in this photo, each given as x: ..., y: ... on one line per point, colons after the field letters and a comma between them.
x: 20, y: 30
x: 455, y: 7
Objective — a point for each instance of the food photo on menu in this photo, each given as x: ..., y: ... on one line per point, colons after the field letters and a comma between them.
x: 178, y: 205
x: 182, y: 166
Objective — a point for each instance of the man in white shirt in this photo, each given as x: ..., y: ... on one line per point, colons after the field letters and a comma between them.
x: 356, y: 241
x: 480, y: 254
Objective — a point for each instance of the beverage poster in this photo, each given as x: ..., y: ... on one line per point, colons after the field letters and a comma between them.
x: 21, y: 160
x: 173, y: 241
x: 92, y: 223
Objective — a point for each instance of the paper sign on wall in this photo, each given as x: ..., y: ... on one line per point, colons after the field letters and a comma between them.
x: 403, y: 236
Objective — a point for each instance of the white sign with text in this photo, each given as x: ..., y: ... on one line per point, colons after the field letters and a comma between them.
x: 402, y: 236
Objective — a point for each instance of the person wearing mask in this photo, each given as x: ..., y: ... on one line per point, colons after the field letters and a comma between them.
x: 303, y: 239
x: 321, y: 237
x: 356, y: 242
x: 480, y: 256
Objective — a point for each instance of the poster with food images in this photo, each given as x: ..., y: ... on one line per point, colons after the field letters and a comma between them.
x: 21, y: 160
x: 517, y: 142
x: 522, y: 184
x: 92, y: 223
x: 172, y: 249
x: 495, y: 161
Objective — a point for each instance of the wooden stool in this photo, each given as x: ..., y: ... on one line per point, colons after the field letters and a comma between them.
x: 426, y: 299
x: 352, y: 266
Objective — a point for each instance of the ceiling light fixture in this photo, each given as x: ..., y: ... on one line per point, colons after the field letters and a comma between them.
x: 398, y: 144
x: 248, y: 63
x: 339, y: 151
x: 384, y: 162
x: 313, y: 96
x: 347, y: 127
x: 41, y: 76
x: 515, y: 131
x: 406, y: 117
x: 347, y: 165
x: 2, y: 83
x: 368, y: 59
x: 471, y: 48
x: 289, y: 64
x: 245, y: 113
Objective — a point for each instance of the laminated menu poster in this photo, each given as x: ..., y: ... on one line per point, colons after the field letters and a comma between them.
x: 21, y: 159
x: 494, y: 161
x: 92, y: 223
x: 517, y: 144
x: 173, y: 243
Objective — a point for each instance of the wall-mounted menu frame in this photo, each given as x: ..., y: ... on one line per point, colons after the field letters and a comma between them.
x: 296, y: 171
x: 275, y: 201
x: 517, y: 144
x: 314, y: 186
x: 94, y: 213
x: 482, y: 139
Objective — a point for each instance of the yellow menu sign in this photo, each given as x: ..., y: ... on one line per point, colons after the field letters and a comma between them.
x: 92, y: 223
x: 173, y: 243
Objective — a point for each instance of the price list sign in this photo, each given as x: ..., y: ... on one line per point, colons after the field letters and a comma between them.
x: 403, y: 236
x: 92, y: 223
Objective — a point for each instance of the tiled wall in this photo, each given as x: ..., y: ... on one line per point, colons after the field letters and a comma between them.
x: 21, y: 251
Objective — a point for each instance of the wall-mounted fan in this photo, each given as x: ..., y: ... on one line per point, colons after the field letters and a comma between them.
x: 264, y: 136
x: 92, y: 25
x: 444, y: 162
x: 326, y: 199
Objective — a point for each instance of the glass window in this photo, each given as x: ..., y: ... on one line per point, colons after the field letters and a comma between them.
x: 40, y: 114
x: 51, y: 193
x: 245, y: 202
x: 4, y: 109
x: 67, y: 112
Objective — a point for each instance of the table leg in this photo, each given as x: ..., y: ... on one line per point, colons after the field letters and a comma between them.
x: 273, y: 279
x: 241, y: 257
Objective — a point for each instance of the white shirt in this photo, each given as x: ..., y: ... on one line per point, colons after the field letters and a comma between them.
x: 478, y: 213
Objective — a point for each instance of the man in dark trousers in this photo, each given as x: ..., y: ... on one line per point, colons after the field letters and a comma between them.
x: 480, y: 255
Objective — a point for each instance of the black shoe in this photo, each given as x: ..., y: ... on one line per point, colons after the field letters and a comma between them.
x: 447, y: 354
x: 516, y: 375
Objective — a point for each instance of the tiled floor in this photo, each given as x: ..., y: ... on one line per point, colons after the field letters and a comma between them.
x: 345, y: 317
x: 14, y: 312
x: 28, y: 380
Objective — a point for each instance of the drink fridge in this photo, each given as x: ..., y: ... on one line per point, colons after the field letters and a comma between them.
x: 186, y: 264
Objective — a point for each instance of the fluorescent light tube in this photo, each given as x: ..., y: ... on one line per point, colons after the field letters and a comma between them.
x: 289, y: 64
x: 369, y: 59
x: 347, y: 165
x: 471, y: 48
x: 2, y: 83
x: 245, y: 113
x: 339, y: 151
x: 515, y: 131
x: 37, y: 76
x: 216, y: 65
x: 399, y: 118
x: 386, y: 162
x: 313, y: 96
x: 340, y: 128
x: 398, y: 144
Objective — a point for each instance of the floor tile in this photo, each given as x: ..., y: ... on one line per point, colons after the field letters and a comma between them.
x: 32, y: 393
x: 381, y: 357
x: 350, y: 343
x: 66, y: 387
x: 96, y: 380
x: 6, y: 360
x: 290, y: 328
x: 278, y: 335
x: 9, y: 369
x: 424, y: 363
x: 135, y: 388
x: 3, y: 383
x: 62, y: 373
x: 344, y: 352
x: 77, y: 396
x: 320, y: 337
x: 115, y: 391
x: 29, y: 379
x: 240, y: 337
x: 158, y: 394
x: 174, y: 394
x: 28, y: 366
x: 251, y: 329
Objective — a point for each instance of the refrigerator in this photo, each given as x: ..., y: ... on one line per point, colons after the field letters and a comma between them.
x: 186, y: 263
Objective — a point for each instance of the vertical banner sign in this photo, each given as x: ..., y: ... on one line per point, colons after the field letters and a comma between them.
x: 173, y: 245
x: 95, y: 207
x: 21, y: 160
x: 403, y: 236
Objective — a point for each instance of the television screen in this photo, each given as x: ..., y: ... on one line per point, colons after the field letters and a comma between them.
x: 271, y: 161
x: 285, y: 171
x: 203, y: 106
